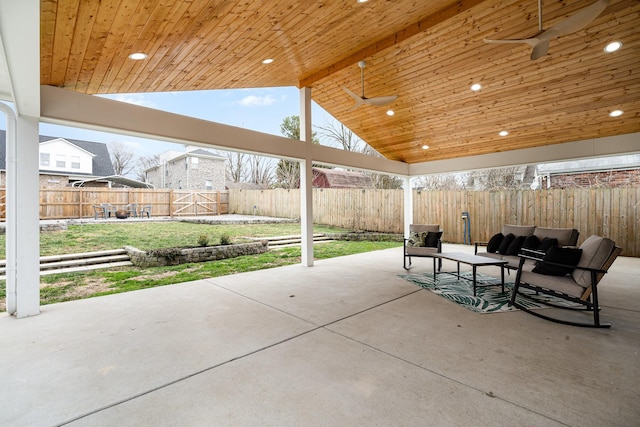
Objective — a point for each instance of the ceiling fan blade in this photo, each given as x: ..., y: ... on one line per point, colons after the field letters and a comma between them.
x: 380, y: 100
x: 576, y: 22
x: 579, y: 20
x: 358, y: 100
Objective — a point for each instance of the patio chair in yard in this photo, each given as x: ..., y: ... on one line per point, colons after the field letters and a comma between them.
x: 568, y: 274
x: 99, y: 211
x: 132, y: 209
x: 424, y: 240
x: 109, y: 209
x: 145, y: 210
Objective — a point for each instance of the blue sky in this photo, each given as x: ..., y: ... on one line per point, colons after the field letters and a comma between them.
x: 261, y: 109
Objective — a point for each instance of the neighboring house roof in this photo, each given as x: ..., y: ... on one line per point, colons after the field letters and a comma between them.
x: 172, y: 156
x: 102, y: 165
x: 631, y: 161
x: 335, y: 178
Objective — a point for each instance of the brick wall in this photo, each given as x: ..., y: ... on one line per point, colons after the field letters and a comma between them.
x: 608, y: 179
x: 182, y: 175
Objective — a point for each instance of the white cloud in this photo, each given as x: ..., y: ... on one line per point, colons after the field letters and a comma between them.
x: 131, y: 98
x: 257, y: 101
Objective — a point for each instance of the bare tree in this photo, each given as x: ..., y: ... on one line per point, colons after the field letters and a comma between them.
x: 144, y: 163
x: 338, y: 134
x: 342, y: 137
x: 261, y: 170
x: 122, y: 158
x: 236, y: 165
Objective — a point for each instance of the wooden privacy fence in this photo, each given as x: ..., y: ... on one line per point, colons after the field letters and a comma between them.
x: 610, y: 212
x: 66, y: 203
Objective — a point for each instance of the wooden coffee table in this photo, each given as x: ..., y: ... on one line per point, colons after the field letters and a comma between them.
x: 474, y: 261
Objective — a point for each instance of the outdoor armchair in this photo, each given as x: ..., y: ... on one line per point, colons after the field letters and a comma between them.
x: 109, y: 209
x: 132, y: 209
x: 99, y: 211
x: 424, y: 240
x: 574, y: 285
x: 145, y: 210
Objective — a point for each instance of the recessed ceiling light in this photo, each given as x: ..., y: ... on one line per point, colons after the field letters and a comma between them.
x: 503, y: 133
x: 613, y: 46
x: 616, y: 113
x: 267, y: 61
x: 476, y: 87
x: 390, y: 112
x: 425, y: 147
x: 138, y: 56
x: 362, y: 1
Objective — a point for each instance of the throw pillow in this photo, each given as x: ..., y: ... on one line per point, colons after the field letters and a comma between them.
x: 431, y: 241
x: 494, y: 242
x: 567, y: 256
x: 514, y: 247
x: 415, y: 240
x: 547, y: 243
x: 531, y: 242
x: 504, y: 245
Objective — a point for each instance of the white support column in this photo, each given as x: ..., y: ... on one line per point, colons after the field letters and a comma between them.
x: 25, y: 223
x: 306, y: 179
x: 408, y: 206
x: 11, y: 231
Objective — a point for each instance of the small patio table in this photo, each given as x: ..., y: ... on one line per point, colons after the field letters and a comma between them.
x: 474, y: 261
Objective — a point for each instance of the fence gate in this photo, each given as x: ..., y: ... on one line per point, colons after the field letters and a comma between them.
x: 196, y: 203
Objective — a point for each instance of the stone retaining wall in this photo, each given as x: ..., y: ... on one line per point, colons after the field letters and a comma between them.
x: 366, y: 235
x: 175, y: 256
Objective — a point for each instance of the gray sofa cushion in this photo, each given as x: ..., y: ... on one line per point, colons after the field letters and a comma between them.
x: 565, y: 236
x: 518, y: 230
x: 595, y: 251
x: 564, y: 284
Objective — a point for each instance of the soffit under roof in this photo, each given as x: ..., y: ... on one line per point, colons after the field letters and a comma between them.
x: 428, y: 53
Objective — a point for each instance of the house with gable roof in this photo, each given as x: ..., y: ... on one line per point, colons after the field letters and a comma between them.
x: 65, y: 162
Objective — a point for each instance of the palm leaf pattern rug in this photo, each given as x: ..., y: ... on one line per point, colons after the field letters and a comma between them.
x: 489, y: 297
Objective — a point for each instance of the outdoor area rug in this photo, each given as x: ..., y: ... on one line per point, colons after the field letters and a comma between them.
x: 489, y: 299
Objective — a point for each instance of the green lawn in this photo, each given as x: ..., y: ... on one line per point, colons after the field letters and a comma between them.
x: 91, y: 237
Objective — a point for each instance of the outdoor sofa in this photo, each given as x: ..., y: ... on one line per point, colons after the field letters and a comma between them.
x: 507, y: 245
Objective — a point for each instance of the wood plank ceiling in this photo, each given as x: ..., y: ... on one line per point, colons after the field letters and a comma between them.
x: 426, y: 52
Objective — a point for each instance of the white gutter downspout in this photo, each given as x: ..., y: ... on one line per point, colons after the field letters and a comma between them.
x: 11, y: 210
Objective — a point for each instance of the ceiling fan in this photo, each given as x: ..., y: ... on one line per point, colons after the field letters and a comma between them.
x: 363, y: 100
x: 577, y: 21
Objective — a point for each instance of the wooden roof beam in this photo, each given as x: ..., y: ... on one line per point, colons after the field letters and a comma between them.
x: 432, y: 20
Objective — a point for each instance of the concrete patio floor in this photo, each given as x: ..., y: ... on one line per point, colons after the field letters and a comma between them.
x: 346, y: 342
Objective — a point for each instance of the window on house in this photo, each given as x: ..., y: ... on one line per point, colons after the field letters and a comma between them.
x: 194, y: 163
x: 45, y: 159
x: 75, y: 162
x: 61, y: 161
x: 208, y: 185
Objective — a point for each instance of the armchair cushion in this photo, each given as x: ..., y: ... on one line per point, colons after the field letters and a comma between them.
x: 515, y: 246
x: 416, y: 240
x: 432, y: 238
x: 504, y: 245
x: 531, y: 242
x: 494, y: 242
x: 547, y: 243
x: 595, y: 252
x: 555, y: 254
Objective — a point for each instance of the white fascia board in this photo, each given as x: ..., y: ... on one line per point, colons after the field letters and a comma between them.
x: 20, y: 35
x: 589, y: 148
x: 64, y: 107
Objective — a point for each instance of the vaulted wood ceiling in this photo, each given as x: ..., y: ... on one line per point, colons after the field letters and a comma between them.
x: 427, y: 52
